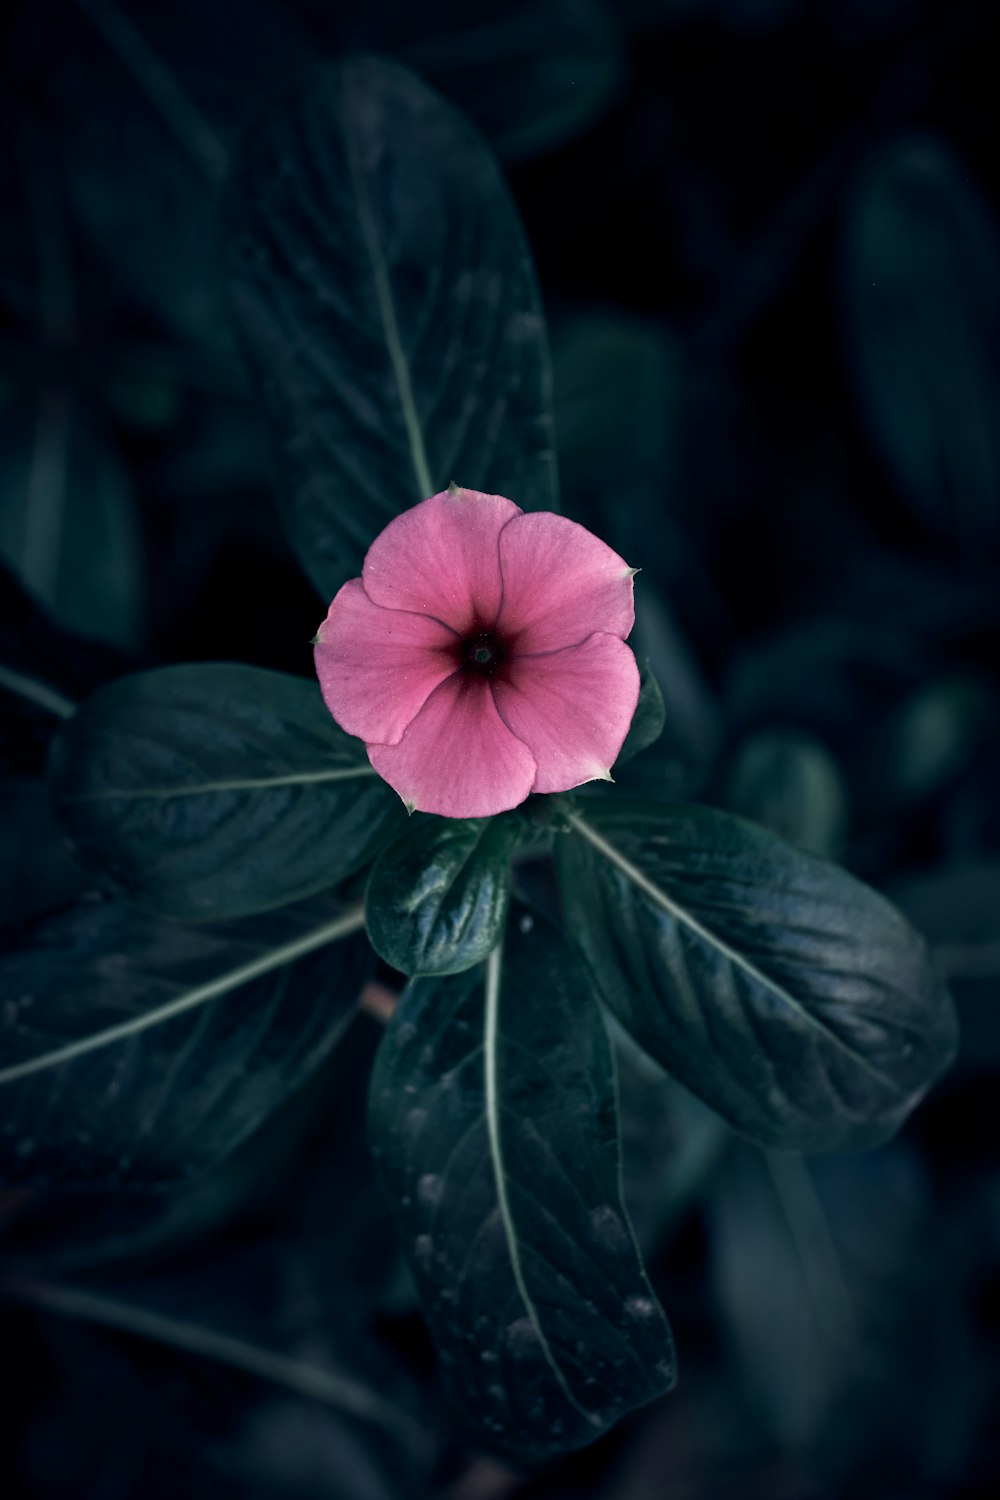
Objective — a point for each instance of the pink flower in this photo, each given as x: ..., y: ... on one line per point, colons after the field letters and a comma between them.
x: 481, y: 655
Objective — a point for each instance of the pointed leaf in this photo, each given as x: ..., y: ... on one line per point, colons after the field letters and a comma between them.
x: 789, y: 996
x: 789, y: 781
x: 923, y: 321
x: 493, y: 1118
x: 387, y: 305
x: 68, y: 522
x: 437, y: 897
x: 135, y: 1051
x: 533, y: 74
x: 215, y: 790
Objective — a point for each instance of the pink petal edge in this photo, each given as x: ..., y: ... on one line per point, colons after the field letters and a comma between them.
x: 457, y: 758
x: 572, y: 708
x: 441, y: 558
x: 561, y: 584
x: 377, y: 667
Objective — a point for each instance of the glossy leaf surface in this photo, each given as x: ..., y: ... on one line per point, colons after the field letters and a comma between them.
x: 216, y: 790
x: 387, y: 303
x: 793, y: 999
x: 493, y: 1120
x: 437, y: 897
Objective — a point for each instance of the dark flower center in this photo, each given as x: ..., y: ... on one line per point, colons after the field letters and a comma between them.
x: 482, y: 653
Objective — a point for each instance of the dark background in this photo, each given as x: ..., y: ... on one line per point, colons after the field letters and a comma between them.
x: 766, y: 236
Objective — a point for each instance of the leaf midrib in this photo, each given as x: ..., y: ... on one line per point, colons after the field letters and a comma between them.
x: 348, y: 922
x: 208, y: 788
x: 685, y: 918
x: 492, y: 1110
x: 305, y: 1379
x: 390, y: 322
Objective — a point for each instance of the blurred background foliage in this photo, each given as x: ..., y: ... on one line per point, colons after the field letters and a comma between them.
x: 768, y: 243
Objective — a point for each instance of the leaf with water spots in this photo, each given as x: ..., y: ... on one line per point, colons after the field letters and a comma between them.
x: 494, y: 1122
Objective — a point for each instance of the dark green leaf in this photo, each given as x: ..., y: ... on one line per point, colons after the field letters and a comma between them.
x: 68, y: 526
x: 387, y: 303
x: 956, y: 907
x: 671, y: 1144
x: 925, y: 742
x: 619, y: 386
x: 648, y: 719
x: 135, y: 1051
x: 923, y: 305
x: 215, y: 790
x: 437, y: 897
x: 144, y: 103
x: 44, y: 672
x: 789, y: 781
x: 789, y: 996
x: 493, y: 1119
x: 235, y: 1308
x: 853, y: 1346
x: 532, y: 75
x: 251, y: 1338
x: 37, y: 871
x: 692, y: 730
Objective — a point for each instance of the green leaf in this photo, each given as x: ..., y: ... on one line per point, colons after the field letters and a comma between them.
x: 37, y: 871
x: 925, y: 743
x: 923, y: 322
x: 388, y: 308
x: 789, y: 781
x: 790, y: 997
x: 68, y: 524
x: 493, y: 1119
x: 216, y: 790
x: 136, y: 1051
x: 827, y: 1309
x: 619, y: 385
x: 532, y: 75
x: 648, y: 719
x: 437, y: 897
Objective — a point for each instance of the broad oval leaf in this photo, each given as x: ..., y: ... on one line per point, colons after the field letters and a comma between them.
x: 793, y: 999
x: 135, y: 1051
x: 437, y: 897
x: 216, y: 790
x: 788, y: 780
x: 493, y: 1118
x: 533, y: 74
x: 69, y: 527
x: 827, y: 1309
x: 923, y: 322
x: 387, y: 304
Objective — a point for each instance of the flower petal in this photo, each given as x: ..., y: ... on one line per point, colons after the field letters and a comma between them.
x: 441, y: 558
x: 377, y: 667
x: 572, y: 708
x: 561, y: 584
x: 457, y: 758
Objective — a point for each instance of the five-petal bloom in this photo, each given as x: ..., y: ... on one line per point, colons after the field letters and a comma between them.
x: 481, y: 655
